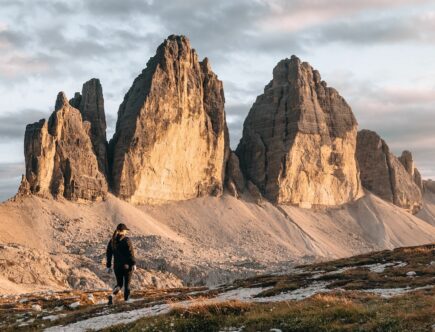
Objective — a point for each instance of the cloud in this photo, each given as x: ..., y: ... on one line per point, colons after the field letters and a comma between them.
x: 297, y: 15
x: 13, y: 124
x: 11, y: 39
x: 10, y: 177
x: 402, y: 115
x: 378, y: 30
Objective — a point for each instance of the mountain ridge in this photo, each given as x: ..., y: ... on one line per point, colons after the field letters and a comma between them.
x: 198, y: 215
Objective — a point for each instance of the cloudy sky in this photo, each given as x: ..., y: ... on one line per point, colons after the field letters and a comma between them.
x: 379, y: 54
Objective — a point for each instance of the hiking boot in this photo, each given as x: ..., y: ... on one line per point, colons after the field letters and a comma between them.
x: 116, y: 290
x: 110, y: 297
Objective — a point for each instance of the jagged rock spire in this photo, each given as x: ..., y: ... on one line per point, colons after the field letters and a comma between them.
x: 60, y: 160
x: 90, y: 103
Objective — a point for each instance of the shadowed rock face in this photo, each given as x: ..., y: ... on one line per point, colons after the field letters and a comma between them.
x: 384, y: 174
x: 299, y: 140
x: 235, y: 180
x: 60, y: 160
x: 408, y: 162
x: 91, y: 105
x: 171, y: 139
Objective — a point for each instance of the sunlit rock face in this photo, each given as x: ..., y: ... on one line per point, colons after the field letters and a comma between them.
x: 385, y: 175
x: 59, y: 155
x: 299, y: 140
x: 171, y: 139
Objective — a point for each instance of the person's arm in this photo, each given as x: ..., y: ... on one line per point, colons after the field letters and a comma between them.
x: 109, y: 254
x: 131, y: 258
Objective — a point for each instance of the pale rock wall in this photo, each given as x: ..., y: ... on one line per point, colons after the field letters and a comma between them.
x: 171, y: 140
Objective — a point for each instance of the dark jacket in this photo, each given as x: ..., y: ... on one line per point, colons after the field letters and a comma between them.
x: 122, y: 252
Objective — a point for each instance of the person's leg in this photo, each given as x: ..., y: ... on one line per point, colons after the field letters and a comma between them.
x: 127, y: 280
x: 119, y: 274
x: 119, y: 281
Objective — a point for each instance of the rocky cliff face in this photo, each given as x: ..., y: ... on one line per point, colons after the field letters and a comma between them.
x: 408, y: 162
x: 171, y: 140
x: 385, y: 175
x: 235, y: 181
x: 59, y: 156
x: 299, y: 140
x: 90, y: 103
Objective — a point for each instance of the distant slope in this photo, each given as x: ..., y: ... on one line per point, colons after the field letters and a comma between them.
x: 210, y: 240
x: 427, y: 213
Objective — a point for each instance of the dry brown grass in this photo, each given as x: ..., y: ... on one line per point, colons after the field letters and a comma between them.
x: 419, y: 250
x: 205, y: 306
x: 333, y: 299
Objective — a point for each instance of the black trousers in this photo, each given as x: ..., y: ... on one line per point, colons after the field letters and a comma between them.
x: 123, y: 278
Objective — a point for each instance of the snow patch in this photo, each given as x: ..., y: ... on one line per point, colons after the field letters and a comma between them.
x: 339, y: 271
x: 400, y: 264
x: 104, y: 321
x: 241, y: 294
x: 74, y: 305
x: 391, y: 292
x: 53, y: 317
x: 297, y: 294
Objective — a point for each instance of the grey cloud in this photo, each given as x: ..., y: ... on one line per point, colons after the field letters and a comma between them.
x: 215, y: 28
x: 403, y: 125
x: 236, y: 114
x: 13, y: 124
x: 8, y: 170
x: 56, y: 40
x: 14, y: 38
x: 116, y: 7
x: 377, y: 30
x: 10, y: 177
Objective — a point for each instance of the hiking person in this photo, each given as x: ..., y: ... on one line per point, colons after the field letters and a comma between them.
x: 124, y: 263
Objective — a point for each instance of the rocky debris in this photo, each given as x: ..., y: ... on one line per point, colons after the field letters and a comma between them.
x: 232, y: 189
x: 24, y: 188
x: 234, y: 177
x: 255, y: 192
x: 299, y: 140
x: 384, y: 175
x: 41, y: 270
x: 59, y: 156
x: 171, y: 139
x: 90, y: 103
x: 408, y: 162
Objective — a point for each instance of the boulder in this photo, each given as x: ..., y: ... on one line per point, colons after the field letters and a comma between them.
x: 171, y: 141
x: 384, y: 174
x: 60, y: 160
x: 299, y: 140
